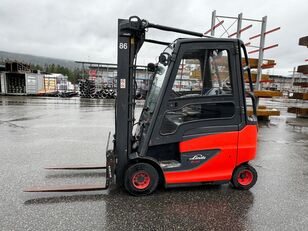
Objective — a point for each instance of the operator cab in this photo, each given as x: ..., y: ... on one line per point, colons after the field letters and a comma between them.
x: 196, y: 90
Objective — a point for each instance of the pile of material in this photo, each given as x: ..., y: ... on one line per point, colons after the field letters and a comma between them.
x: 17, y: 67
x: 105, y: 93
x: 16, y: 84
x: 88, y: 90
x: 301, y: 95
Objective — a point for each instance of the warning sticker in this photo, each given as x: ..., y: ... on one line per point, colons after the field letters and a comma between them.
x: 123, y: 83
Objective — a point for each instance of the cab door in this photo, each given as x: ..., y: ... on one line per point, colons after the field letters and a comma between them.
x: 201, y: 113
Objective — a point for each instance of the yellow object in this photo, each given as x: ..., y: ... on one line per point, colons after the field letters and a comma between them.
x: 264, y: 77
x: 253, y: 63
x: 264, y: 112
x: 267, y: 94
x: 195, y: 74
x: 50, y: 85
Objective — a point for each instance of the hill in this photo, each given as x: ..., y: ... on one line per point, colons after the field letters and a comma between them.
x: 36, y: 60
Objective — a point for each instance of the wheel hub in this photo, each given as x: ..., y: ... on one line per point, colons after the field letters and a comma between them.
x: 245, y: 177
x: 141, y: 180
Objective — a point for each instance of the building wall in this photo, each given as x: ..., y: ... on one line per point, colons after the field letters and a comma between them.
x: 34, y: 83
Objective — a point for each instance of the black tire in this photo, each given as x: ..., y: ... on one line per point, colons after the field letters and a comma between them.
x: 244, y: 177
x: 141, y: 179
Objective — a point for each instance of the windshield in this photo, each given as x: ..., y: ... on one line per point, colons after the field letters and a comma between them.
x: 157, y: 84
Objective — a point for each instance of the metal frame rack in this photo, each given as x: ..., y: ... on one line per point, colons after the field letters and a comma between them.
x: 239, y: 30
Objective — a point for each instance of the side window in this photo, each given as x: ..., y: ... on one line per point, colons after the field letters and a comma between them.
x: 203, y: 73
x: 220, y: 73
x: 188, y: 78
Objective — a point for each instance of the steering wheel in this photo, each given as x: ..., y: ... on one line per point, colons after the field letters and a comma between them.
x: 175, y: 94
x: 214, y: 91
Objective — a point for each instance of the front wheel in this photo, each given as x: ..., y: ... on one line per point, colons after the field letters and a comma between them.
x: 141, y: 179
x: 244, y: 177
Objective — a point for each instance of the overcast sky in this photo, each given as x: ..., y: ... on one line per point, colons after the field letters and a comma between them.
x: 87, y: 30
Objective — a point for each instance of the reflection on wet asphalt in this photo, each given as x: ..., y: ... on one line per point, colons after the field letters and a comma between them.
x: 40, y: 132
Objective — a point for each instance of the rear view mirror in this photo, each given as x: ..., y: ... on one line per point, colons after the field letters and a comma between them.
x: 164, y: 58
x: 151, y: 67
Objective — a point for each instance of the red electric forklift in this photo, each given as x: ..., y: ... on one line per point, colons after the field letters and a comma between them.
x: 194, y: 128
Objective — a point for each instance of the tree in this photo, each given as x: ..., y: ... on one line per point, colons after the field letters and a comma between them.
x: 73, y: 74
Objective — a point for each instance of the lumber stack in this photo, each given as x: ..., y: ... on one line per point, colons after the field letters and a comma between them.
x: 263, y: 111
x: 300, y: 111
x: 267, y: 94
x: 298, y: 95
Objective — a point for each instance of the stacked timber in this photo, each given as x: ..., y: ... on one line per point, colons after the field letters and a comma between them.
x: 264, y: 78
x: 303, y: 68
x: 267, y: 94
x: 298, y: 95
x: 298, y: 110
x: 300, y: 84
x: 302, y: 95
x: 253, y: 64
x: 262, y: 110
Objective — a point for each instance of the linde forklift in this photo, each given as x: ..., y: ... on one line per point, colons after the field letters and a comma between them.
x: 194, y: 128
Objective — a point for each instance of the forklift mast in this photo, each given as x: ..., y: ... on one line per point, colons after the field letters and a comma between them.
x: 130, y: 39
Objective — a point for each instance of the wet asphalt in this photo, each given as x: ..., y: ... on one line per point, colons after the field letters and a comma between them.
x: 40, y: 132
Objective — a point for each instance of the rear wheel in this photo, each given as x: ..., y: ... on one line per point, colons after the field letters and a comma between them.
x: 141, y: 179
x: 244, y: 177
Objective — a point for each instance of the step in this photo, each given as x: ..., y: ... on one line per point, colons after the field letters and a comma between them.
x: 169, y: 164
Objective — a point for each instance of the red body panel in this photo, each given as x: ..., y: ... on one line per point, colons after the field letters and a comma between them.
x: 221, y: 166
x: 247, y: 144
